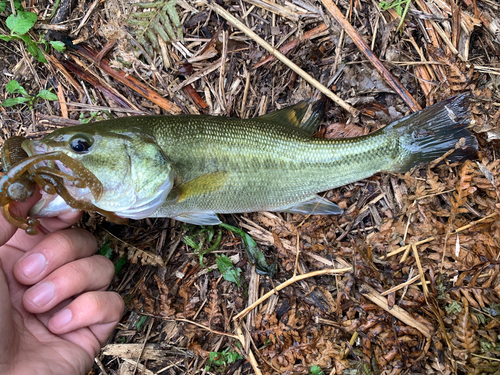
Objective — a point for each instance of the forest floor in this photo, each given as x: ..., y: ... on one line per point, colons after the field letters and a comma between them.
x: 406, y: 281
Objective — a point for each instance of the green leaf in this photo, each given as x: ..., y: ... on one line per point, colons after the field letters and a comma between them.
x: 3, y: 6
x: 14, y: 101
x: 32, y: 48
x: 202, y: 237
x: 6, y: 38
x: 140, y: 322
x: 18, y: 6
x: 316, y: 370
x: 106, y: 250
x: 57, y: 45
x: 399, y: 9
x: 21, y: 23
x: 188, y: 240
x: 220, y: 360
x: 384, y: 5
x: 228, y: 271
x: 253, y: 252
x: 15, y: 87
x: 46, y: 94
x: 453, y: 308
x: 119, y: 264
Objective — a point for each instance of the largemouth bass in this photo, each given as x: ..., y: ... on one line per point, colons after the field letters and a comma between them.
x: 192, y: 167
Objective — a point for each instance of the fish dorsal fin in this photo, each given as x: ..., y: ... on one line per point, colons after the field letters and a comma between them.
x: 204, y: 218
x: 203, y: 184
x: 315, y: 205
x: 292, y: 116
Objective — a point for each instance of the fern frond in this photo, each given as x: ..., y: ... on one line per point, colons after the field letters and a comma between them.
x: 158, y: 20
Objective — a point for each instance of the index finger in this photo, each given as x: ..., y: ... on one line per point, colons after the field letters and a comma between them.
x: 24, y: 241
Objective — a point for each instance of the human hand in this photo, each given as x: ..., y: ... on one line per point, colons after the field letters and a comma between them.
x: 54, y: 311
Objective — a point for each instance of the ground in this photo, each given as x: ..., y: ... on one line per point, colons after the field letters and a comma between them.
x: 405, y: 281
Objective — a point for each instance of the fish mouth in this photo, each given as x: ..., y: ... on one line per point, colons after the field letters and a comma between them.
x: 34, y: 147
x: 38, y: 148
x: 51, y: 205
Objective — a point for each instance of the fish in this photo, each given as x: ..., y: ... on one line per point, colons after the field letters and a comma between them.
x: 193, y: 167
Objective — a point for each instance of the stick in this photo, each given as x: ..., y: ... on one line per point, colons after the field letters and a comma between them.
x: 287, y: 283
x: 261, y: 42
x: 356, y: 38
x: 374, y: 296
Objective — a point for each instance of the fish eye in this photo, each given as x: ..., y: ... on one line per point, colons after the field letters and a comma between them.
x: 80, y: 143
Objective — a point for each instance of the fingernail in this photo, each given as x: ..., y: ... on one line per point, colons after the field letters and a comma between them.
x: 62, y: 318
x: 33, y: 265
x: 42, y: 293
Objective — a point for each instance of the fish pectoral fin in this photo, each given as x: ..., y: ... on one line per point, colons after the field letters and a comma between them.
x: 203, y: 184
x: 292, y: 116
x: 206, y: 218
x: 315, y: 205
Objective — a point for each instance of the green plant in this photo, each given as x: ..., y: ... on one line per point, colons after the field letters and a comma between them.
x: 398, y: 7
x: 200, y: 239
x: 254, y: 254
x: 228, y: 271
x: 15, y: 88
x: 441, y: 287
x: 486, y: 346
x: 316, y: 370
x: 140, y: 322
x: 453, y: 308
x: 220, y: 360
x: 94, y: 116
x: 493, y: 310
x: 107, y: 251
x: 20, y: 22
x: 156, y: 22
x: 481, y: 318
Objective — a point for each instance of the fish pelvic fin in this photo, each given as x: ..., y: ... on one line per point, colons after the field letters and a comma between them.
x: 305, y: 115
x: 314, y: 205
x: 202, y: 218
x: 203, y: 184
x: 428, y: 134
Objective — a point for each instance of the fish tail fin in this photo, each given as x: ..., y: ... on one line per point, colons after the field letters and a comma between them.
x: 428, y: 134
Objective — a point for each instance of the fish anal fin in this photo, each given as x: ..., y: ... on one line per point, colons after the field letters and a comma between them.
x: 315, y: 205
x: 205, y: 218
x: 292, y: 116
x: 203, y: 184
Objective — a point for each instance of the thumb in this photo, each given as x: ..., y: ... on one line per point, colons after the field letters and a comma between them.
x: 8, y: 342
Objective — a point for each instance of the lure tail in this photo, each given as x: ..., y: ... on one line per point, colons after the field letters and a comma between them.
x: 427, y: 135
